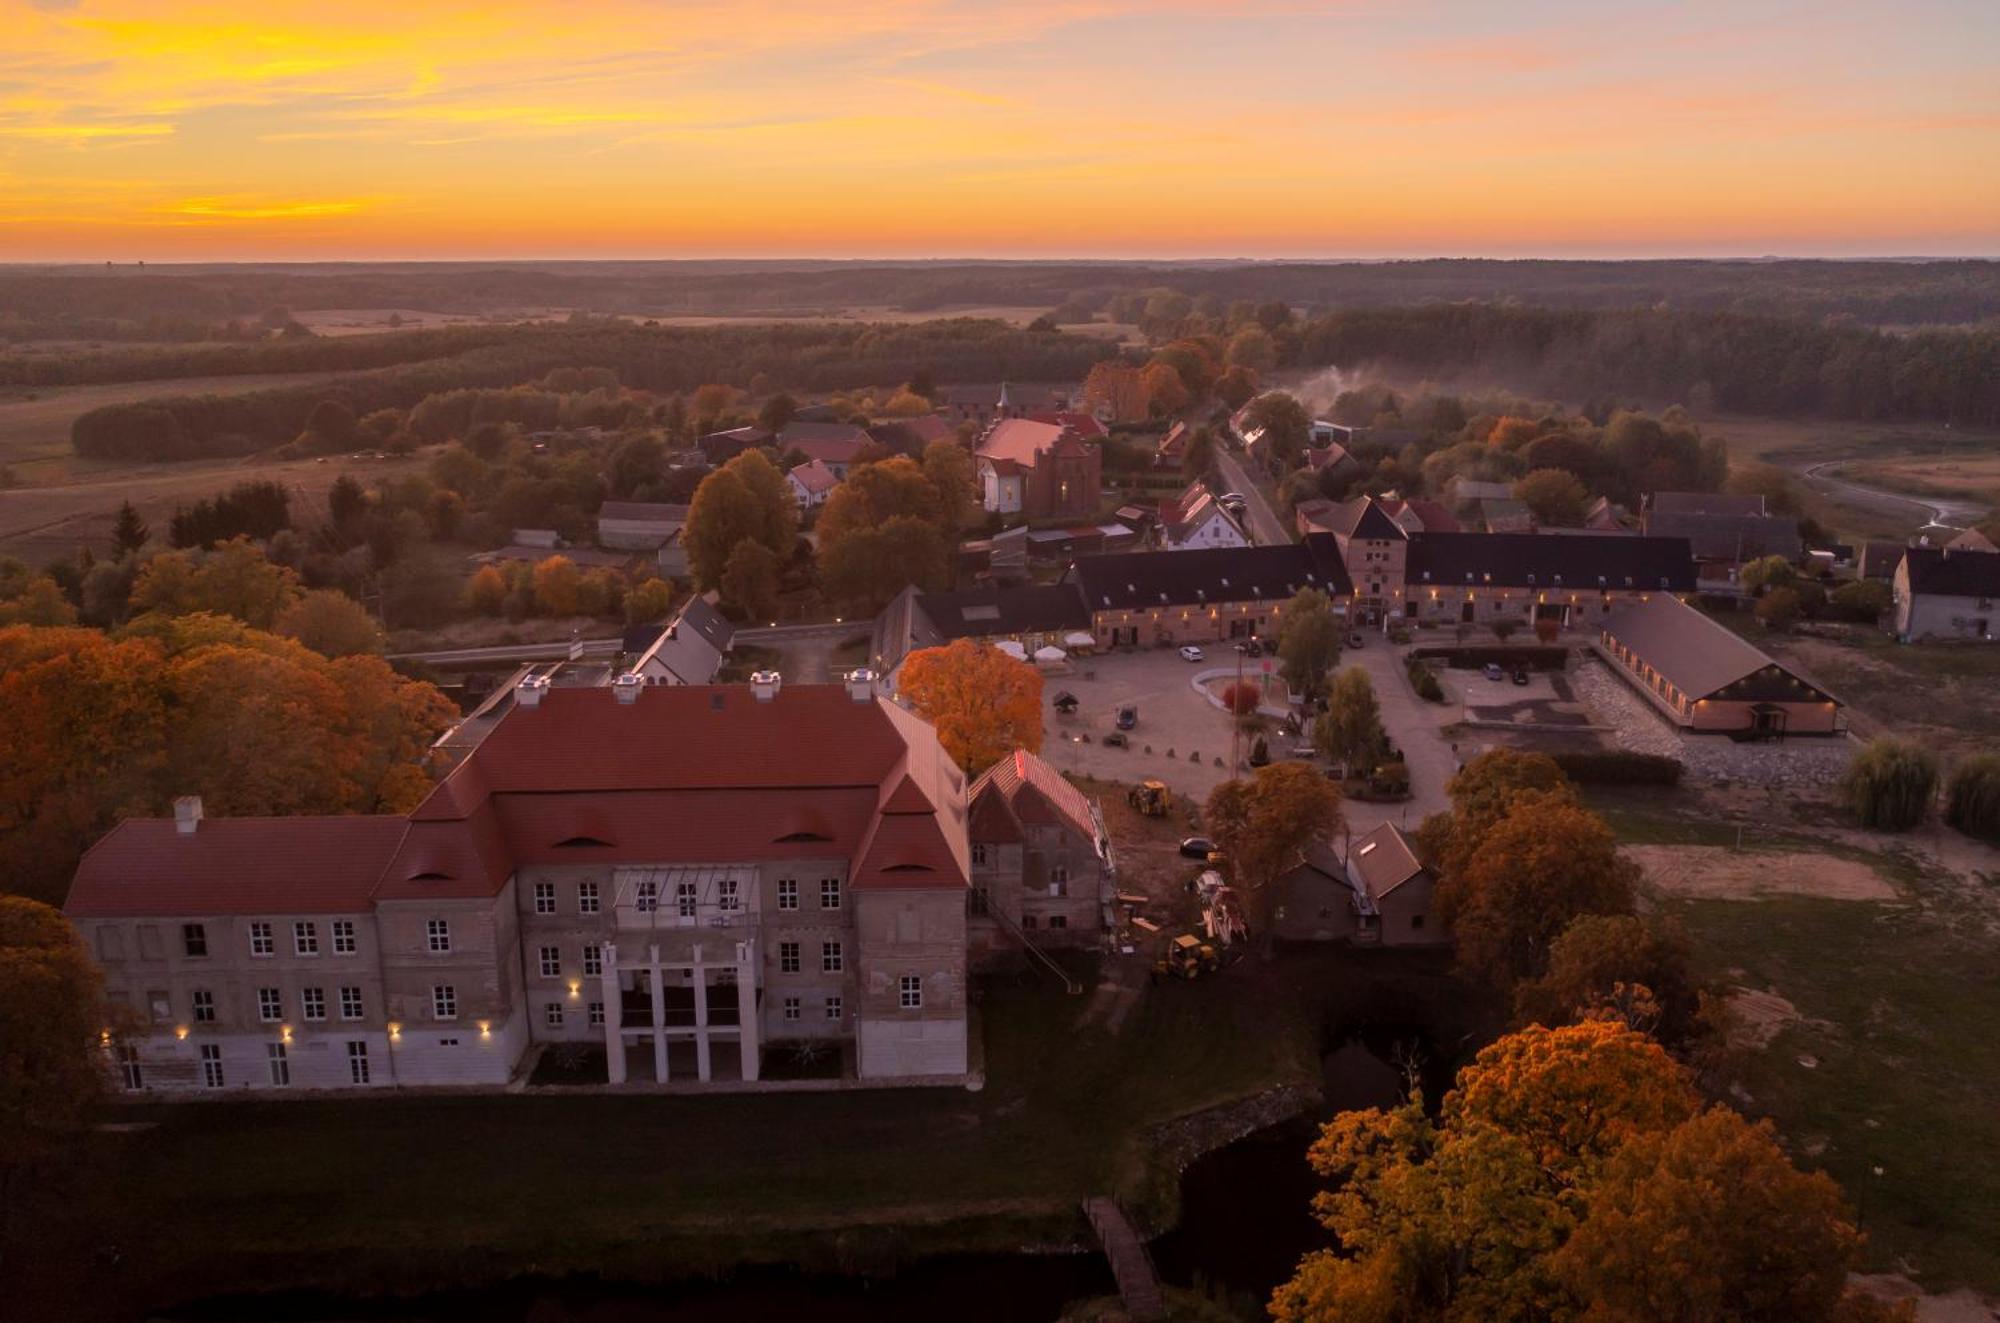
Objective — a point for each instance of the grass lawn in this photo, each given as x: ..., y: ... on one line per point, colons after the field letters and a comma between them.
x: 414, y: 1191
x: 1900, y: 1012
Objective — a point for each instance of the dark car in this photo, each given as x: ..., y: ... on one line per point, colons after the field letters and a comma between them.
x: 1128, y: 717
x: 1354, y: 639
x: 1520, y: 675
x: 1115, y: 740
x: 1253, y: 648
x: 1492, y: 671
x: 1197, y: 847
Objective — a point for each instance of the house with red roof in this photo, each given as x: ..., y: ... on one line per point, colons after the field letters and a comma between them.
x: 1041, y: 859
x: 1038, y: 470
x: 682, y: 877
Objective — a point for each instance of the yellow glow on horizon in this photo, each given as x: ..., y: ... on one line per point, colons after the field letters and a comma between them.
x: 964, y: 128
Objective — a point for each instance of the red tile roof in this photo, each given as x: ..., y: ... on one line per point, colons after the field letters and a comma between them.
x: 1036, y: 793
x: 1020, y: 440
x: 146, y: 866
x: 1080, y: 423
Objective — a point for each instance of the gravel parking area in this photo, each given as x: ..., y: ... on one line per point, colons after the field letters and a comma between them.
x: 1637, y: 727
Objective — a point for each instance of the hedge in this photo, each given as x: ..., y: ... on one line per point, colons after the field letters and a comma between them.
x: 1619, y: 767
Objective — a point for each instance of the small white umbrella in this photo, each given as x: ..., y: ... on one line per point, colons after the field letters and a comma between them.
x: 1050, y: 654
x: 1080, y: 639
x: 1012, y: 649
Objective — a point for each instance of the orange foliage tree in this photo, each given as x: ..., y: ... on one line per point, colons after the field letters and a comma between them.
x: 1262, y: 826
x: 1571, y: 1174
x: 98, y: 728
x: 1118, y: 388
x: 983, y: 703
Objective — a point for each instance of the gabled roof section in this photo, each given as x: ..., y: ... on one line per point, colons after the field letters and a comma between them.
x: 1572, y: 562
x: 1020, y: 441
x: 1036, y: 793
x: 316, y: 865
x: 1705, y: 503
x: 1383, y: 860
x: 1362, y: 518
x: 1949, y: 573
x: 1146, y: 579
x: 1704, y: 659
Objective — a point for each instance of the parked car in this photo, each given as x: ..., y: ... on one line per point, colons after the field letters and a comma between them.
x: 1354, y: 638
x: 1116, y: 740
x: 1304, y: 753
x: 1128, y: 717
x: 1190, y: 653
x: 1197, y: 847
x: 1232, y: 502
x: 1520, y: 675
x: 1493, y: 671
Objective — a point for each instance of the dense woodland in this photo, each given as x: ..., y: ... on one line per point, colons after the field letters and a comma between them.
x: 191, y: 302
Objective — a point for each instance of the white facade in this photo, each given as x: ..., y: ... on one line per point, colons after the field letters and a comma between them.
x: 999, y: 493
x: 1212, y: 528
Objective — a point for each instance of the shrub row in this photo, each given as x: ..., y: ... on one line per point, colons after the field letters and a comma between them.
x: 1619, y: 767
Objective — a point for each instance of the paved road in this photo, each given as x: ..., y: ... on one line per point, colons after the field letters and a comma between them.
x: 1952, y: 514
x: 774, y: 636
x: 1265, y: 528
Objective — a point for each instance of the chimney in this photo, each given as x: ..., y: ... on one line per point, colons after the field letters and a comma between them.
x: 187, y: 814
x: 529, y: 692
x: 764, y: 684
x: 861, y: 685
x: 626, y: 688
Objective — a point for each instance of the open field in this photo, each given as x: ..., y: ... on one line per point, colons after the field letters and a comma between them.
x: 407, y: 1191
x: 1957, y: 475
x: 39, y: 523
x: 1867, y: 1015
x: 34, y: 432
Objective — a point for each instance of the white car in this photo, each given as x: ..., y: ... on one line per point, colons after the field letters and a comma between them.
x: 1191, y: 653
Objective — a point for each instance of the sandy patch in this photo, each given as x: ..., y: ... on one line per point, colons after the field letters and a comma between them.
x: 1717, y: 873
x: 1757, y: 1017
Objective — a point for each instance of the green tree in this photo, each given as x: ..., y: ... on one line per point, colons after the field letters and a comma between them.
x: 1308, y: 641
x: 1285, y: 423
x: 778, y: 511
x: 750, y: 581
x: 1767, y: 573
x: 1780, y: 608
x: 723, y: 513
x: 52, y: 1012
x: 1554, y: 496
x: 1863, y: 601
x: 129, y: 533
x: 1620, y: 966
x: 1889, y: 784
x: 1350, y: 730
x: 776, y: 412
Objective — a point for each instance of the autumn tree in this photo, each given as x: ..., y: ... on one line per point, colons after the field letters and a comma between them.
x: 1118, y: 389
x: 1570, y: 1174
x: 776, y: 412
x: 1766, y: 573
x: 750, y: 580
x: 332, y: 624
x: 1616, y: 965
x: 1350, y: 730
x: 234, y: 579
x: 949, y: 470
x: 1553, y: 496
x: 1481, y: 793
x: 723, y: 513
x: 1199, y: 457
x: 1546, y: 861
x: 36, y: 600
x: 486, y: 591
x: 1237, y: 386
x: 51, y: 1013
x: 1166, y: 392
x: 1780, y: 608
x: 709, y: 403
x: 1251, y: 348
x: 1262, y: 826
x: 1308, y: 641
x: 648, y: 601
x: 982, y: 702
x: 558, y: 586
x: 777, y: 511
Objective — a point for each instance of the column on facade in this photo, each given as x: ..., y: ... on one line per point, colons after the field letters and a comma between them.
x: 749, y: 1031
x: 659, y: 1017
x: 701, y: 1065
x: 614, y: 1017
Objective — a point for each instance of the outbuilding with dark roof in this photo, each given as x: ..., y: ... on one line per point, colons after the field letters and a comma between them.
x: 1706, y: 677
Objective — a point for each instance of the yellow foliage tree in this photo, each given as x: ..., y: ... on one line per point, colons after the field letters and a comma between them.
x: 558, y: 586
x: 983, y: 703
x: 331, y: 623
x: 486, y: 591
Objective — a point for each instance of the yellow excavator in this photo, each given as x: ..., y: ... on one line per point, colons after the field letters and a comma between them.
x: 1188, y: 957
x: 1151, y: 799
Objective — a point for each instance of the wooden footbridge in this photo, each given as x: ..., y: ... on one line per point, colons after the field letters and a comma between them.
x: 1138, y: 1285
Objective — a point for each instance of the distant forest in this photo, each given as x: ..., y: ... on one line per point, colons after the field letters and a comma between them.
x: 195, y: 303
x: 1783, y: 367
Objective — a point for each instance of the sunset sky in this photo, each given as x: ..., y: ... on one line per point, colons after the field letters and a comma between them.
x: 305, y: 129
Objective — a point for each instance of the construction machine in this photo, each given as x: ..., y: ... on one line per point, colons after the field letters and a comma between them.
x: 1152, y: 799
x: 1188, y: 957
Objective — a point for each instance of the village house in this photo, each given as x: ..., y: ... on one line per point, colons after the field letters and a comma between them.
x: 909, y: 436
x: 1172, y: 451
x: 839, y: 446
x: 1381, y: 894
x: 1726, y: 531
x: 1196, y: 521
x: 682, y: 876
x: 1947, y: 593
x: 1569, y: 577
x: 1038, y: 470
x: 1173, y: 597
x: 1879, y: 560
x: 811, y: 483
x: 1707, y: 679
x: 1035, y: 616
x: 689, y: 649
x: 1041, y: 858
